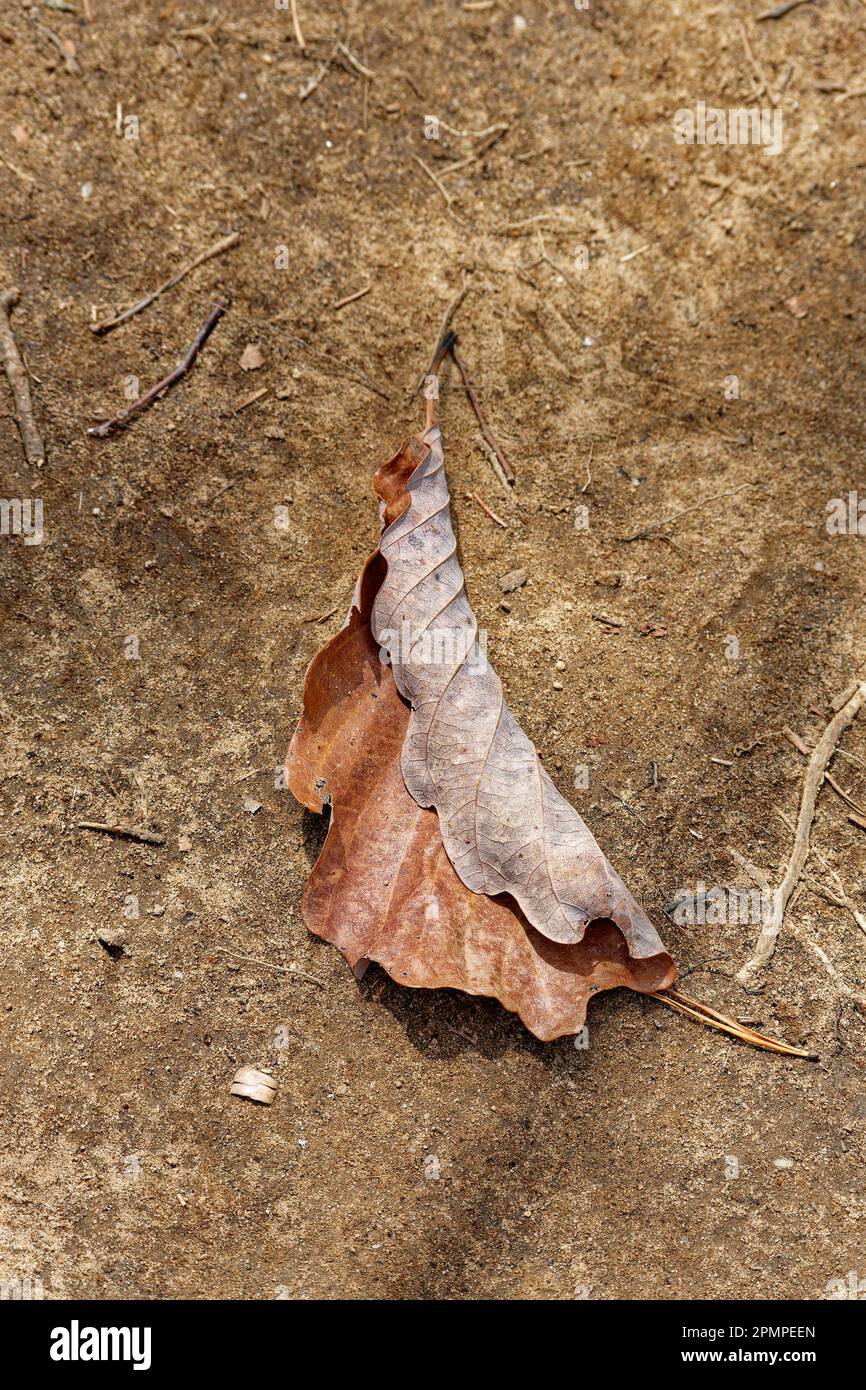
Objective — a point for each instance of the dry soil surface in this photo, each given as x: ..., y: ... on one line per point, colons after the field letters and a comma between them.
x: 669, y: 335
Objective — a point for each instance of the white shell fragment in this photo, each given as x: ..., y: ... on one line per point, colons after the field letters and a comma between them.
x: 254, y: 1085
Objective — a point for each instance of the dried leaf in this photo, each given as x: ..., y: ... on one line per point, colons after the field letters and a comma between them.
x: 505, y: 826
x: 383, y: 888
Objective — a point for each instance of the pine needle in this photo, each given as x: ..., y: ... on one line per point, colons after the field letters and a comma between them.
x: 704, y: 1014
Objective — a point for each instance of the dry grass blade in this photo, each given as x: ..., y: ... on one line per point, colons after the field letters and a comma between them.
x: 704, y: 1014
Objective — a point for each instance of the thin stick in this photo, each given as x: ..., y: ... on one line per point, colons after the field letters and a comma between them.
x: 433, y: 179
x: 760, y: 80
x: 443, y: 329
x: 296, y: 25
x: 588, y: 469
x: 356, y: 63
x: 347, y: 366
x: 840, y: 898
x: 34, y: 449
x: 490, y: 512
x: 697, y: 506
x: 781, y: 10
x: 314, y: 81
x: 804, y: 748
x: 216, y: 250
x: 127, y: 832
x: 704, y: 1014
x: 823, y: 752
x: 271, y: 965
x: 350, y: 298
x: 763, y: 882
x: 19, y: 173
x: 109, y: 426
x: 482, y: 423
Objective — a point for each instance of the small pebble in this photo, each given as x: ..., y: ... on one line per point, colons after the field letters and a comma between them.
x: 557, y: 685
x: 514, y: 579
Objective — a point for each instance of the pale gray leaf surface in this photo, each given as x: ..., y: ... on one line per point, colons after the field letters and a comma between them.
x: 505, y: 826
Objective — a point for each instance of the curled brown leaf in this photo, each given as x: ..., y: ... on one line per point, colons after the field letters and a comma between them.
x: 383, y: 887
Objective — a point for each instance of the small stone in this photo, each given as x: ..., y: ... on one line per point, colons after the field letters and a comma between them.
x: 514, y: 579
x: 783, y: 1162
x: 251, y: 358
x: 251, y: 806
x: 560, y: 665
x: 274, y: 432
x: 432, y: 1168
x: 557, y: 685
x: 112, y: 939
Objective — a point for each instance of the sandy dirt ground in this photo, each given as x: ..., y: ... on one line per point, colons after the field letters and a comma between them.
x: 670, y: 335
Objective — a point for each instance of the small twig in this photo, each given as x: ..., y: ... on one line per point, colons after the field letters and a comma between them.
x: 804, y: 748
x: 356, y: 63
x: 506, y: 228
x: 697, y: 506
x: 319, y: 76
x: 588, y: 470
x: 482, y: 423
x: 433, y: 179
x: 477, y: 154
x: 250, y: 399
x: 34, y: 449
x: 762, y: 881
x: 443, y: 329
x: 841, y: 897
x: 350, y: 298
x: 761, y: 82
x: 109, y: 426
x: 19, y: 173
x: 608, y: 622
x: 704, y: 1014
x: 859, y: 821
x: 271, y: 965
x: 296, y: 25
x: 474, y: 134
x: 490, y: 512
x: 823, y: 752
x: 347, y: 366
x: 781, y: 10
x: 216, y: 250
x: 126, y: 832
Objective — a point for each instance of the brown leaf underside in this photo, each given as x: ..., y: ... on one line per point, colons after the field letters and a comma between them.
x: 383, y: 888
